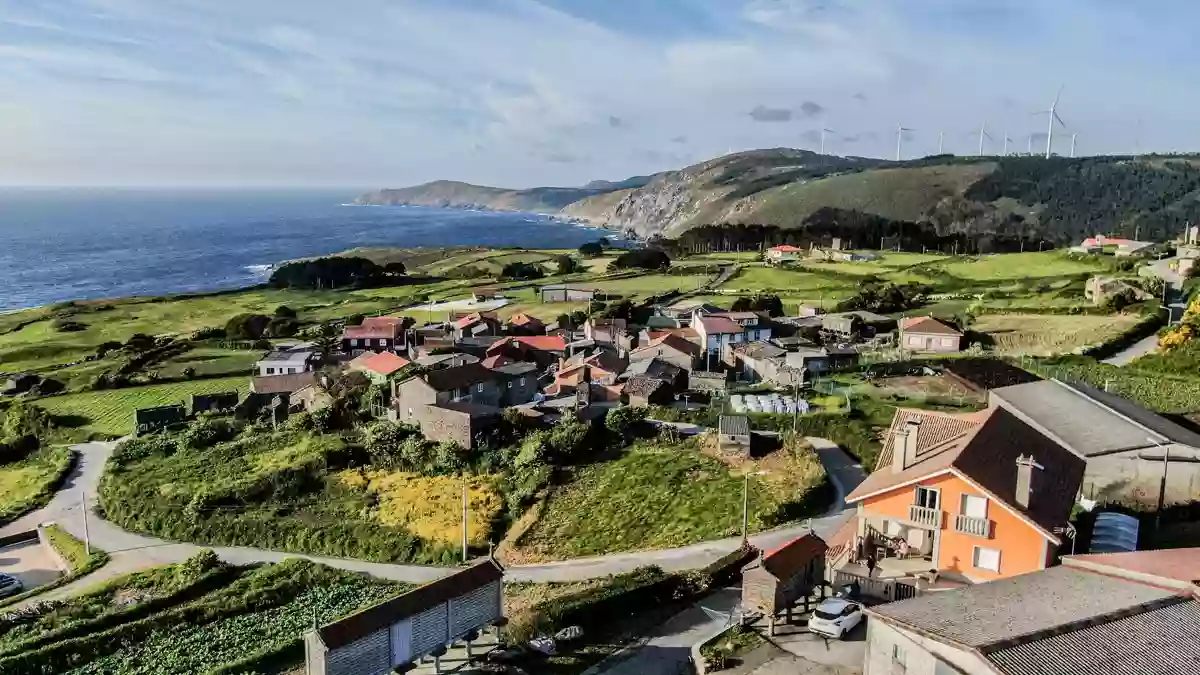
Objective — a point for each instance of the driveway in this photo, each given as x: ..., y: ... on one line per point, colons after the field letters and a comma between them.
x: 30, y: 562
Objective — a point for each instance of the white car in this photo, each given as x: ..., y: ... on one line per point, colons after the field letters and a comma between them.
x: 835, y: 617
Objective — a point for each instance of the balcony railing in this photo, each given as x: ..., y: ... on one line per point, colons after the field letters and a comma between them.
x: 980, y: 527
x: 924, y: 516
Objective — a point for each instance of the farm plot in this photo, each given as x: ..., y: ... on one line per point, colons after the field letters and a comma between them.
x: 774, y: 279
x: 110, y: 412
x: 1018, y: 266
x: 1050, y: 334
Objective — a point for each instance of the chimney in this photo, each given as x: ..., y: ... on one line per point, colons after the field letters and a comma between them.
x: 1025, y: 467
x: 904, y: 445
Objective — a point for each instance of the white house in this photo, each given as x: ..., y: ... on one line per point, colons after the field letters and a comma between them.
x: 784, y: 253
x: 719, y: 330
x: 286, y: 362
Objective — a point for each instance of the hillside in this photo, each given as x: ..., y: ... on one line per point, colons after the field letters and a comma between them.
x: 971, y: 203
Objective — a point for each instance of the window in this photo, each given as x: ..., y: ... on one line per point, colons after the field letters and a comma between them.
x: 986, y: 559
x: 354, y: 343
x: 479, y: 387
x: 382, y: 342
x: 270, y: 371
x: 510, y: 384
x: 914, y: 340
x: 291, y: 371
x: 898, y: 656
x: 927, y: 497
x: 947, y: 342
x: 973, y: 506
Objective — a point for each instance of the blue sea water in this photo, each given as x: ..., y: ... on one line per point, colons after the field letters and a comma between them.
x: 67, y: 244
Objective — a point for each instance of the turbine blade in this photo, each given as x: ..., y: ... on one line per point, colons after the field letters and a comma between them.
x: 1056, y: 96
x: 1060, y: 121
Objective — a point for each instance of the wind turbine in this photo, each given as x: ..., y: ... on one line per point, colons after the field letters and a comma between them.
x: 1053, y: 117
x: 900, y: 129
x: 941, y: 137
x: 1073, y: 145
x: 1006, y: 140
x: 823, y: 132
x: 982, y: 135
x: 1029, y: 146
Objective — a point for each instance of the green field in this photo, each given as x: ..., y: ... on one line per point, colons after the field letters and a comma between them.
x: 25, y: 485
x: 658, y: 496
x: 204, y: 616
x: 651, y: 284
x: 1019, y: 266
x: 110, y: 411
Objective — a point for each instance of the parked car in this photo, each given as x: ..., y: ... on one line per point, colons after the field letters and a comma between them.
x: 10, y: 585
x: 835, y: 617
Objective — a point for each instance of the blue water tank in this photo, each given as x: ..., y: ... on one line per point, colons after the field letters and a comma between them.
x: 1114, y: 533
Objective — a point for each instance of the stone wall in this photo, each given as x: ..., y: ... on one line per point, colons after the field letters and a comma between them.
x: 442, y: 424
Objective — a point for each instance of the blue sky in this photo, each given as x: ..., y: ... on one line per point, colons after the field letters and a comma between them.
x: 559, y: 92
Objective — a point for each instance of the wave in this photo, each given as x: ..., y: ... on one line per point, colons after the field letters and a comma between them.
x: 259, y: 270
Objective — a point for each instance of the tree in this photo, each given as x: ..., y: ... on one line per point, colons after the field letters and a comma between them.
x: 330, y: 272
x: 522, y: 271
x: 642, y: 258
x: 281, y: 327
x: 247, y: 326
x: 566, y: 264
x: 395, y: 269
x: 592, y: 249
x: 285, y: 312
x: 355, y: 319
x: 327, y: 340
x: 622, y: 420
x: 771, y: 304
x: 564, y: 321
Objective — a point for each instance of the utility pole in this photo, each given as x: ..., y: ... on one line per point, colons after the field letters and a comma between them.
x: 1162, y: 487
x: 464, y: 518
x: 796, y: 395
x: 746, y: 510
x: 87, y: 540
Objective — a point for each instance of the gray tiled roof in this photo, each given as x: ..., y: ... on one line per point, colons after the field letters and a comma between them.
x: 734, y: 425
x: 1162, y: 641
x: 985, y: 614
x: 1090, y: 421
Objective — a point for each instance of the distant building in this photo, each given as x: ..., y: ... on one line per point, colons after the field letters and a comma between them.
x: 733, y: 435
x: 219, y: 402
x: 379, y: 368
x: 927, y: 334
x: 376, y: 334
x: 286, y: 362
x: 856, y: 324
x: 775, y: 581
x: 784, y: 253
x: 475, y: 325
x: 566, y: 293
x: 644, y: 390
x: 158, y: 418
x: 524, y: 324
x: 275, y: 384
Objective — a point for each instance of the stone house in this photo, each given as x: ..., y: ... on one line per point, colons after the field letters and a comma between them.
x: 462, y: 423
x: 544, y: 350
x: 282, y: 384
x: 1100, y: 288
x: 775, y: 581
x: 218, y: 402
x: 147, y: 420
x: 670, y: 348
x: 397, y: 634
x: 518, y: 379
x: 822, y: 360
x: 755, y: 361
x: 857, y: 324
x: 733, y: 435
x: 659, y: 369
x: 708, y: 381
x: 643, y: 391
x: 927, y: 334
x: 471, y: 383
x: 609, y: 331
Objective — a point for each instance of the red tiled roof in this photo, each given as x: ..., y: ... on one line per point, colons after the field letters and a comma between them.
x: 786, y: 561
x: 523, y: 319
x: 670, y: 340
x: 926, y: 324
x: 785, y: 248
x: 545, y: 343
x: 373, y: 327
x: 467, y: 320
x: 383, y: 363
x: 496, y: 360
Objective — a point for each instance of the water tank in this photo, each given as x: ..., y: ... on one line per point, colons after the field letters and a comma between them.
x: 1114, y: 533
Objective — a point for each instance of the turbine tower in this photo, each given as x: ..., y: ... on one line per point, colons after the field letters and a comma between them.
x: 1053, y: 117
x: 1029, y: 146
x: 823, y: 132
x: 941, y: 137
x: 1073, y: 145
x: 900, y: 129
x: 1006, y: 140
x: 982, y: 135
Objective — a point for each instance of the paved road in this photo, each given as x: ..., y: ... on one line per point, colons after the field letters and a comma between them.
x: 131, y: 551
x: 1133, y: 351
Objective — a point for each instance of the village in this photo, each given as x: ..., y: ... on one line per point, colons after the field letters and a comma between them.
x: 963, y: 511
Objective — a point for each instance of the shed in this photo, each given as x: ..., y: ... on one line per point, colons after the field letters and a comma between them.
x: 733, y: 434
x: 222, y: 402
x: 778, y: 579
x: 146, y: 420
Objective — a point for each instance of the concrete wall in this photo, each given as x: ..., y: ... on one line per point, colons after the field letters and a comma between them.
x: 919, y: 655
x: 442, y: 424
x: 409, y: 397
x: 1129, y: 479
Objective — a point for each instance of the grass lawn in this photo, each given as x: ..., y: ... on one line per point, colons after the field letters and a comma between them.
x: 651, y: 284
x: 211, y: 362
x: 762, y: 278
x: 656, y: 496
x: 25, y: 485
x: 1018, y: 266
x: 1047, y: 334
x: 110, y: 411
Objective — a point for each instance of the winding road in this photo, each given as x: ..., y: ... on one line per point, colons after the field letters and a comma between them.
x: 131, y: 552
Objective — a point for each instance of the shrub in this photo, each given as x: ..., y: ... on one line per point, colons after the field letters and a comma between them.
x: 46, y: 387
x: 355, y: 319
x: 104, y: 348
x: 134, y: 449
x: 642, y: 258
x: 206, y: 432
x: 384, y: 440
x: 188, y: 373
x: 622, y: 420
x: 281, y: 327
x: 301, y: 421
x: 565, y: 264
x: 591, y: 249
x: 522, y: 271
x: 467, y: 272
x: 247, y: 326
x: 285, y: 312
x: 67, y: 325
x: 212, y: 332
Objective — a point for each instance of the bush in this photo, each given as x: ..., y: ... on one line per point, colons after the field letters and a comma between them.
x: 467, y: 272
x: 331, y: 272
x: 384, y: 442
x: 285, y: 312
x: 622, y: 420
x: 642, y: 258
x: 134, y: 449
x: 247, y: 326
x: 282, y: 327
x: 355, y: 319
x: 592, y: 249
x: 565, y: 264
x: 104, y: 348
x: 771, y: 304
x: 210, y: 333
x: 188, y: 373
x: 67, y: 325
x: 522, y: 271
x: 206, y: 432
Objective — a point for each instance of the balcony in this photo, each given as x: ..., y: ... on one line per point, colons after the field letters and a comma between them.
x: 979, y: 527
x: 925, y: 517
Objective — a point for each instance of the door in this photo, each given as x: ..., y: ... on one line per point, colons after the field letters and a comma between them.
x: 401, y: 642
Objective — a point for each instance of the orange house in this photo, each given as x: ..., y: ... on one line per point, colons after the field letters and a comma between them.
x: 973, y: 497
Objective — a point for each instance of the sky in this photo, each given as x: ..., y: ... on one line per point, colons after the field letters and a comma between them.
x: 518, y: 93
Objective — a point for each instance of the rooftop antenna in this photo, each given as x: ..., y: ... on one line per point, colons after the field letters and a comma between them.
x: 1053, y: 117
x: 823, y: 132
x: 900, y: 129
x: 982, y: 135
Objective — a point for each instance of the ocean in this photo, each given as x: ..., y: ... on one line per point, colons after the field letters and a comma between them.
x: 81, y: 244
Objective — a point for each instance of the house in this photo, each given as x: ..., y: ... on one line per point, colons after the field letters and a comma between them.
x: 974, y: 497
x: 309, y: 398
x: 158, y: 418
x: 733, y: 435
x: 609, y: 331
x: 659, y: 369
x: 784, y: 253
x: 446, y: 360
x: 668, y: 347
x: 475, y: 325
x: 459, y: 422
x: 282, y: 384
x: 756, y: 361
x: 396, y: 634
x: 524, y: 324
x: 822, y: 360
x: 274, y: 407
x: 777, y: 580
x: 1124, y: 444
x: 716, y: 333
x: 1100, y: 289
x: 566, y: 293
x: 376, y: 334
x: 685, y: 311
x: 286, y: 362
x: 643, y: 390
x: 1110, y: 614
x: 471, y: 383
x: 217, y: 402
x: 927, y: 334
x: 379, y: 368
x: 603, y: 366
x: 544, y: 350
x: 518, y: 379
x: 858, y: 324
x: 708, y: 381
